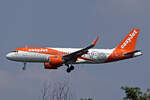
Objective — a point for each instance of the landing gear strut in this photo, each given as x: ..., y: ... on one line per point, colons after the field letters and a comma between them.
x: 70, y: 68
x: 24, y: 67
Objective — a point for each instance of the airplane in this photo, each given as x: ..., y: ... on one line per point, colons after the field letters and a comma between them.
x: 53, y: 58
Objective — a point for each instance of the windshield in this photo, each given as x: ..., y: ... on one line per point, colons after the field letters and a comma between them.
x: 15, y: 51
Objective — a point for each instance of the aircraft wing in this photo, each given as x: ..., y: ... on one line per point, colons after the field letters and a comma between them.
x: 72, y: 57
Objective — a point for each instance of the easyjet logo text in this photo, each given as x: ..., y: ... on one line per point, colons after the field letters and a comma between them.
x: 129, y: 39
x: 38, y: 50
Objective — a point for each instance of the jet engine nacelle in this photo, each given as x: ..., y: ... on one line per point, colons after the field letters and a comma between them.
x: 50, y: 66
x: 54, y: 62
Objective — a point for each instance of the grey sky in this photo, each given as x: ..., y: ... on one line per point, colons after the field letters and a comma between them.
x: 73, y: 23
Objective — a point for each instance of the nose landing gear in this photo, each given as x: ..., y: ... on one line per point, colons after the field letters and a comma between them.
x: 70, y: 68
x: 24, y: 67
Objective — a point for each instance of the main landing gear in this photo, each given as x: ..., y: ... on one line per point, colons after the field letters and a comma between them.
x: 70, y: 68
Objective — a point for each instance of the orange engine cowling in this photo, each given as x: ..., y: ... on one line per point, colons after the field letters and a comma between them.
x: 54, y: 62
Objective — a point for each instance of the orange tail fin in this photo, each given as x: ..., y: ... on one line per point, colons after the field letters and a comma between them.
x: 129, y: 41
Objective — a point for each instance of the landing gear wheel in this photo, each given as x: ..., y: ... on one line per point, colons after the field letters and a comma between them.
x: 68, y: 70
x: 24, y: 67
x: 71, y: 67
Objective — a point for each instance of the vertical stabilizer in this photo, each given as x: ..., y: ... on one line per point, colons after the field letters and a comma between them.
x: 129, y: 41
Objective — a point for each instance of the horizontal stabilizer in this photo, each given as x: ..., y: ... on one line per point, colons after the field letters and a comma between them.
x: 134, y: 53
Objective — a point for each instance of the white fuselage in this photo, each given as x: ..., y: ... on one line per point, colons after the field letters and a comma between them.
x: 93, y: 56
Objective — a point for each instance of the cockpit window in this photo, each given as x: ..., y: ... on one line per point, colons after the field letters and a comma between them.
x: 15, y: 51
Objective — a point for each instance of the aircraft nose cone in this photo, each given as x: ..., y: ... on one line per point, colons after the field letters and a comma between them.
x: 9, y: 56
